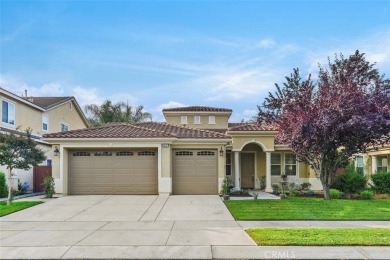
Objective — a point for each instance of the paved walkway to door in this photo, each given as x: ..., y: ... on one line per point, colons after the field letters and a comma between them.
x: 136, y: 227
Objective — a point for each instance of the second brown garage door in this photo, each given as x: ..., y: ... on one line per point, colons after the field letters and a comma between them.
x: 195, y: 172
x: 126, y: 171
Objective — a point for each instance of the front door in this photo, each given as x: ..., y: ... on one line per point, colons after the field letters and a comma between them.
x: 248, y: 170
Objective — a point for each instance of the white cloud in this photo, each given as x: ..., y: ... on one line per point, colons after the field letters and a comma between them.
x: 245, y: 115
x: 266, y: 43
x: 170, y: 104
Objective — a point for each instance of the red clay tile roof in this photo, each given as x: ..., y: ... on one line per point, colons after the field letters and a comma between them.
x: 251, y: 127
x: 197, y: 109
x: 140, y: 130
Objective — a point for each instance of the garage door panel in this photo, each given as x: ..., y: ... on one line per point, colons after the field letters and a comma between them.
x: 195, y: 172
x: 122, y: 174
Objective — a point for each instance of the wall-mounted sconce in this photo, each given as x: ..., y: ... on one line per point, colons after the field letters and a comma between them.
x: 221, y: 152
x: 56, y: 151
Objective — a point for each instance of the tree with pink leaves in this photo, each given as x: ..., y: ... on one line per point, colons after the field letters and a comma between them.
x: 343, y: 112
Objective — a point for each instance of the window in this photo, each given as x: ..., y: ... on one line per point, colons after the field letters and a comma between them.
x: 81, y: 154
x: 211, y: 120
x: 70, y: 105
x: 197, y: 120
x: 49, y: 162
x: 146, y: 153
x: 64, y: 127
x: 183, y: 120
x: 103, y: 153
x: 228, y: 162
x: 290, y: 164
x: 359, y: 165
x: 381, y: 163
x: 205, y: 153
x: 45, y: 123
x: 276, y: 164
x: 8, y: 115
x: 125, y: 153
x: 183, y: 153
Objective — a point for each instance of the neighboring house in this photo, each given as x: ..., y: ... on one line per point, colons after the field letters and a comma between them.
x: 373, y: 161
x: 42, y: 115
x: 191, y: 153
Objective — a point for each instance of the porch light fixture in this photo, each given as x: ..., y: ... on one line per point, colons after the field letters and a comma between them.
x: 56, y: 151
x: 221, y: 152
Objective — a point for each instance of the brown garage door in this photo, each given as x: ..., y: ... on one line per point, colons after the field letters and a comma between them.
x: 195, y: 172
x: 113, y: 172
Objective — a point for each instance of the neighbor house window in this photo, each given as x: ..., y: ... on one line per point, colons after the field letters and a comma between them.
x: 64, y: 127
x: 290, y: 164
x: 211, y: 120
x: 49, y: 162
x: 8, y: 114
x: 70, y: 105
x: 276, y: 164
x: 359, y: 164
x: 45, y: 123
x: 183, y: 120
x: 228, y: 163
x: 381, y: 163
x: 196, y: 119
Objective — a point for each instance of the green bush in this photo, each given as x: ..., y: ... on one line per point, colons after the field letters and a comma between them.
x: 3, y: 186
x: 48, y: 187
x: 381, y: 182
x: 275, y: 188
x: 367, y: 195
x: 293, y: 193
x: 334, y: 194
x: 350, y: 182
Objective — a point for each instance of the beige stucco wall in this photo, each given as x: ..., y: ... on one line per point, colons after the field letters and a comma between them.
x: 221, y: 121
x: 265, y: 141
x: 62, y: 114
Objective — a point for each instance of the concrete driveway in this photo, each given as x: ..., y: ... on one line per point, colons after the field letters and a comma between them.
x: 121, y: 227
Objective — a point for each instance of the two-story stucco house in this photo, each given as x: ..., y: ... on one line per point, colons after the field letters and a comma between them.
x: 190, y: 153
x: 43, y: 115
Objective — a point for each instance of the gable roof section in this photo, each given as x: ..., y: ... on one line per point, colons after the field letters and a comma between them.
x: 49, y: 102
x: 197, y: 109
x: 139, y: 130
x: 251, y: 127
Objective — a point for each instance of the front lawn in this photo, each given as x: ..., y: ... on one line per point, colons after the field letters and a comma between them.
x: 309, y: 209
x: 320, y: 236
x: 15, y: 206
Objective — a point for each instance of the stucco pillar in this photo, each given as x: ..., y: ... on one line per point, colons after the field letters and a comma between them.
x: 237, y: 173
x: 268, y: 187
x: 373, y: 164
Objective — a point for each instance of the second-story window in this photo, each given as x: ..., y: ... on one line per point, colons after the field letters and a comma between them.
x: 45, y: 123
x: 183, y: 119
x: 8, y: 113
x: 196, y: 119
x: 211, y: 119
x: 70, y: 105
x: 64, y: 127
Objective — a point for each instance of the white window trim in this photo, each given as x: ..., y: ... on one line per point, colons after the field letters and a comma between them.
x: 377, y: 160
x: 281, y: 163
x: 47, y: 130
x: 7, y: 124
x: 63, y: 123
x: 197, y: 123
x: 211, y: 123
x: 284, y: 164
x: 183, y: 122
x: 70, y: 105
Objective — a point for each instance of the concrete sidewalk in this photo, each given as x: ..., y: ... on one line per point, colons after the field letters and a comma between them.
x: 314, y: 224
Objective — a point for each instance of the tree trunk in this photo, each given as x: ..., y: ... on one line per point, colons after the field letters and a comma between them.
x: 325, y: 188
x: 9, y: 186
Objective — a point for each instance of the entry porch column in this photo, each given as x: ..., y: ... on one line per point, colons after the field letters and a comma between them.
x: 373, y: 164
x: 237, y: 172
x: 268, y: 187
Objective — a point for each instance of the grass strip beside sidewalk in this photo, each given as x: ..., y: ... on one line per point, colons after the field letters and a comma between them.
x: 320, y: 236
x: 15, y: 206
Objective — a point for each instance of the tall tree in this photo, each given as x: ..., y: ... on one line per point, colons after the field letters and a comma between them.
x: 115, y: 113
x: 19, y: 151
x: 344, y: 111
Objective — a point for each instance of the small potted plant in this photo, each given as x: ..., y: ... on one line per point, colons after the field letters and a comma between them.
x: 284, y: 177
x: 306, y: 185
x: 225, y: 189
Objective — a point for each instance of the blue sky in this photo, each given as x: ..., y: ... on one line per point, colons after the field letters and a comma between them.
x: 171, y: 53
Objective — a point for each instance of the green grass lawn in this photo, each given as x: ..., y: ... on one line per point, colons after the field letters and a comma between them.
x: 309, y: 209
x: 16, y: 206
x: 321, y: 236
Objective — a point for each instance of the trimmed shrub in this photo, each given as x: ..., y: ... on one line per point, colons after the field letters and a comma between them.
x: 3, y: 186
x: 334, y: 194
x: 381, y: 181
x: 367, y: 195
x: 293, y: 193
x: 48, y: 187
x: 351, y: 182
x: 275, y: 188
